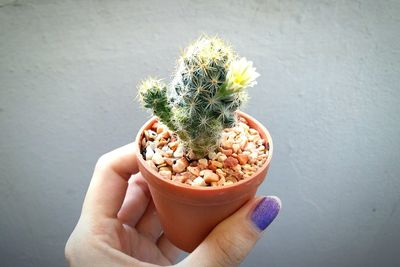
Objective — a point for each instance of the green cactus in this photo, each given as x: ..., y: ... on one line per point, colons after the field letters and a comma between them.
x: 207, y: 89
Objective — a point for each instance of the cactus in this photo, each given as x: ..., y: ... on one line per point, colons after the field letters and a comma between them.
x: 207, y: 88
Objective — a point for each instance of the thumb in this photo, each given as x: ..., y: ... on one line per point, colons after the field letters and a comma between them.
x: 231, y: 240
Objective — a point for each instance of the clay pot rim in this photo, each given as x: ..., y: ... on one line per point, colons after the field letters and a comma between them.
x: 205, y: 188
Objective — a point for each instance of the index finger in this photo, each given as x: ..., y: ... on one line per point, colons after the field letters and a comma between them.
x: 109, y: 182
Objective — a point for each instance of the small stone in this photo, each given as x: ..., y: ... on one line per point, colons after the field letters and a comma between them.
x: 238, y: 174
x: 173, y: 145
x: 194, y: 170
x: 230, y: 162
x: 253, y: 131
x: 180, y: 165
x: 149, y: 153
x: 227, y: 143
x: 160, y: 128
x: 260, y: 142
x: 247, y: 167
x: 187, y: 175
x: 227, y: 152
x: 238, y: 130
x: 247, y: 175
x: 216, y: 163
x: 151, y: 164
x: 262, y: 156
x: 212, y: 166
x: 150, y: 135
x: 170, y: 161
x: 236, y: 147
x: 253, y: 157
x: 178, y: 152
x: 164, y: 168
x: 212, y: 155
x: 210, y: 176
x: 231, y: 178
x: 243, y: 159
x: 167, y: 154
x: 228, y: 182
x: 250, y: 146
x: 246, y: 153
x: 220, y: 173
x: 199, y: 182
x: 221, y: 181
x: 254, y: 138
x: 246, y: 127
x: 179, y: 179
x: 222, y: 157
x: 152, y: 145
x: 166, y: 174
x: 162, y: 143
x: 158, y: 158
x: 243, y: 143
x: 165, y: 135
x: 237, y: 168
x: 162, y: 165
x: 203, y: 163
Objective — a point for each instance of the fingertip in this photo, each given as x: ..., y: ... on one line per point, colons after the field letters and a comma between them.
x: 277, y: 200
x: 265, y: 212
x: 138, y: 180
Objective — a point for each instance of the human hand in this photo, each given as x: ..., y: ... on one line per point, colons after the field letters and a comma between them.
x: 119, y: 226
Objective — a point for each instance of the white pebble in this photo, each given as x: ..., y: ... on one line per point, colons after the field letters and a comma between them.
x: 253, y: 157
x: 180, y: 165
x: 222, y: 157
x: 166, y: 174
x: 250, y: 146
x: 151, y: 165
x: 212, y: 155
x: 203, y: 163
x: 236, y: 147
x: 178, y: 152
x: 158, y: 158
x: 199, y: 181
x: 152, y: 145
x: 149, y: 153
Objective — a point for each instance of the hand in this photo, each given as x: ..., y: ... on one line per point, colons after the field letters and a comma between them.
x: 119, y: 226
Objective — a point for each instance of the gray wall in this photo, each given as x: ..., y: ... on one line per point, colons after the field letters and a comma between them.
x: 329, y: 94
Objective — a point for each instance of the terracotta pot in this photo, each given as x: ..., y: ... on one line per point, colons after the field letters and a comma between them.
x: 187, y: 213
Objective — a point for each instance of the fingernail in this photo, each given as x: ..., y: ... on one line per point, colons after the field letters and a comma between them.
x: 266, y: 211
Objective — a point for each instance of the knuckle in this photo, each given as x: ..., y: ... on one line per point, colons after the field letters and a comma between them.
x: 103, y: 161
x: 69, y: 249
x: 232, y: 248
x: 228, y: 250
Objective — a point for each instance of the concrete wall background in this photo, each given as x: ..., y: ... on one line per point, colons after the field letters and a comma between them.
x: 329, y: 93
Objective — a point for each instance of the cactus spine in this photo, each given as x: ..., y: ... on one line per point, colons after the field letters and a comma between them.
x: 207, y: 88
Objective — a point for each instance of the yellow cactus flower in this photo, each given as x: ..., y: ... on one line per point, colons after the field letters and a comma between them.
x: 241, y: 74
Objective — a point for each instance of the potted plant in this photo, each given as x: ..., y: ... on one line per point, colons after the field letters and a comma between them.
x: 202, y: 158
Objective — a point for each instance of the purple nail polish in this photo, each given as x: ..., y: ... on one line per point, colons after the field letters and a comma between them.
x: 266, y: 211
